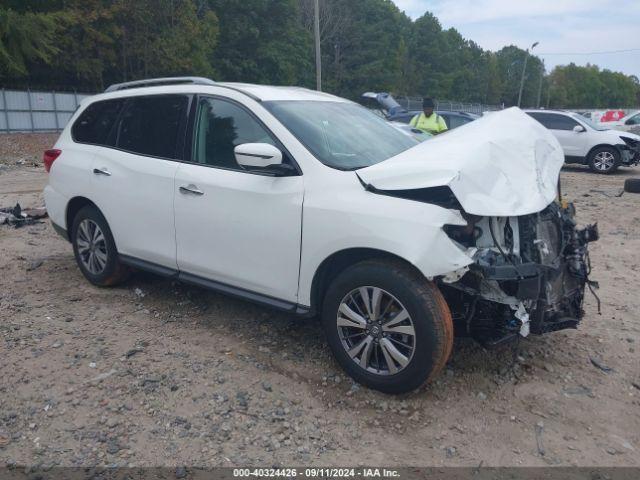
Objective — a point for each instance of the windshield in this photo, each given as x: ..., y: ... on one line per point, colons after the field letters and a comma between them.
x: 589, y: 123
x: 345, y: 136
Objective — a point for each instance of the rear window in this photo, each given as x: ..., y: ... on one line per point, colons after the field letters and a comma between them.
x: 96, y: 121
x: 151, y: 125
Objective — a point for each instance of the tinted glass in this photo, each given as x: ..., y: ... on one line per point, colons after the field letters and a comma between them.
x: 150, y: 125
x: 341, y: 135
x: 220, y: 127
x: 554, y: 121
x: 455, y: 121
x: 95, y: 123
x: 635, y: 120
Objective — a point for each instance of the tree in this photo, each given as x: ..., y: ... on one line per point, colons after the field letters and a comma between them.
x: 262, y: 41
x: 165, y: 37
x: 573, y: 86
x: 367, y: 45
x: 25, y: 37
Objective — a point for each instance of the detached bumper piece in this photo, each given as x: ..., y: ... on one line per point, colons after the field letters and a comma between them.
x: 539, y: 290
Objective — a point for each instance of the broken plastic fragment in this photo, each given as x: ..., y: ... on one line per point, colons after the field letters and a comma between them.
x: 522, y: 315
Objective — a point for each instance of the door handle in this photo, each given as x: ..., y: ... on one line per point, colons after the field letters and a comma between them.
x: 102, y: 171
x: 192, y: 189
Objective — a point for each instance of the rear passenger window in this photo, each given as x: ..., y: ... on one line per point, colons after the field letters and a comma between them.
x: 553, y: 121
x: 151, y: 125
x: 95, y: 122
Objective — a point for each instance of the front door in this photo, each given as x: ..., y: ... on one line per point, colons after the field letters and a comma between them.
x: 573, y: 143
x: 234, y: 227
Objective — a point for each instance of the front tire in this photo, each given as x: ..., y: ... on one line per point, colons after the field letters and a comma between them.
x: 388, y: 327
x: 95, y: 249
x: 604, y: 160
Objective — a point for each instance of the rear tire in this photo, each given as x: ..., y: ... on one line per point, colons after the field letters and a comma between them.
x: 377, y: 350
x: 95, y: 250
x: 604, y: 160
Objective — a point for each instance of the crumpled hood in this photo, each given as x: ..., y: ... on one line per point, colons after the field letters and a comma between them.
x: 503, y: 164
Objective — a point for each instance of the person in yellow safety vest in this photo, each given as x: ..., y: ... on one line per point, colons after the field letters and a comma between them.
x: 429, y: 121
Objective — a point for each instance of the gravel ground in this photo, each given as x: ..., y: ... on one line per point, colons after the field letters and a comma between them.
x: 157, y: 373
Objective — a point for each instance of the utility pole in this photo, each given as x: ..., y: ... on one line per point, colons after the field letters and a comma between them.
x: 524, y: 69
x: 540, y: 84
x: 316, y: 34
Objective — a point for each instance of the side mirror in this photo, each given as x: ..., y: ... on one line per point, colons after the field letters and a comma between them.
x: 579, y: 129
x: 259, y: 155
x: 262, y: 158
x: 631, y: 121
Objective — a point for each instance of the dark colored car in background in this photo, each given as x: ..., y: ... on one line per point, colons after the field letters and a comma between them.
x: 390, y: 109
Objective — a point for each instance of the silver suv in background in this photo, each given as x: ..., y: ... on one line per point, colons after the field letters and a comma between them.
x: 587, y: 143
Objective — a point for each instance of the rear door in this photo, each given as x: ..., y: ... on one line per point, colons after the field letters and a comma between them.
x: 133, y: 178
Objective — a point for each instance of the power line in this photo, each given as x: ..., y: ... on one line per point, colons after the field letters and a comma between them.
x: 594, y: 53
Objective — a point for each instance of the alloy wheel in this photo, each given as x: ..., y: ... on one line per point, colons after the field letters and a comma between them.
x: 376, y: 330
x: 92, y: 246
x: 604, y: 161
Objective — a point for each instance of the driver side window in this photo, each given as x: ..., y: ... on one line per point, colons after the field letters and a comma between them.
x: 219, y: 127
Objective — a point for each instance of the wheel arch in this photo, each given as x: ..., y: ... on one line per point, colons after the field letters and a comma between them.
x: 601, y: 145
x: 73, y: 207
x: 337, y: 262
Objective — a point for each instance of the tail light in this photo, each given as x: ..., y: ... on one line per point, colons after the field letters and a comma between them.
x: 49, y: 157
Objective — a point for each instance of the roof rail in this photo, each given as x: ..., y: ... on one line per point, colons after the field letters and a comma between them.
x: 155, y: 82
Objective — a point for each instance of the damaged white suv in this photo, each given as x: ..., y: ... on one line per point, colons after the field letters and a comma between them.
x: 311, y: 204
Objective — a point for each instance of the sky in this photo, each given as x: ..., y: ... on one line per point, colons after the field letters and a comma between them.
x: 580, y: 30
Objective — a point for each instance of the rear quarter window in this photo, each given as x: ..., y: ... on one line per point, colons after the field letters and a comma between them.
x: 96, y: 121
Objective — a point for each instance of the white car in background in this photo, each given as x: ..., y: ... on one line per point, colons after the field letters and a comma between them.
x: 587, y: 143
x: 629, y: 123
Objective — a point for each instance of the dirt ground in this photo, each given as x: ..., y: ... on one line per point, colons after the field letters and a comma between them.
x: 160, y: 373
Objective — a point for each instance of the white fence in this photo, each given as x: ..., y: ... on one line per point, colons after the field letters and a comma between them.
x: 34, y: 111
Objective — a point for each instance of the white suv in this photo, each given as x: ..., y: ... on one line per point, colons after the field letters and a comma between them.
x: 596, y: 145
x: 311, y: 204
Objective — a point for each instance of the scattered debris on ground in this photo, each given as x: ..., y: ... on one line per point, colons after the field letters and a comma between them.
x: 539, y: 429
x: 632, y: 185
x: 17, y: 217
x: 598, y: 364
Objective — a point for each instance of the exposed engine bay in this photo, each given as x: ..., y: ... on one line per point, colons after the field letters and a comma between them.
x: 529, y: 274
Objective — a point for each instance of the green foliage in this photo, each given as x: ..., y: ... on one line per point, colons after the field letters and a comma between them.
x: 572, y: 86
x: 367, y: 45
x: 261, y: 42
x: 164, y: 38
x: 25, y: 37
